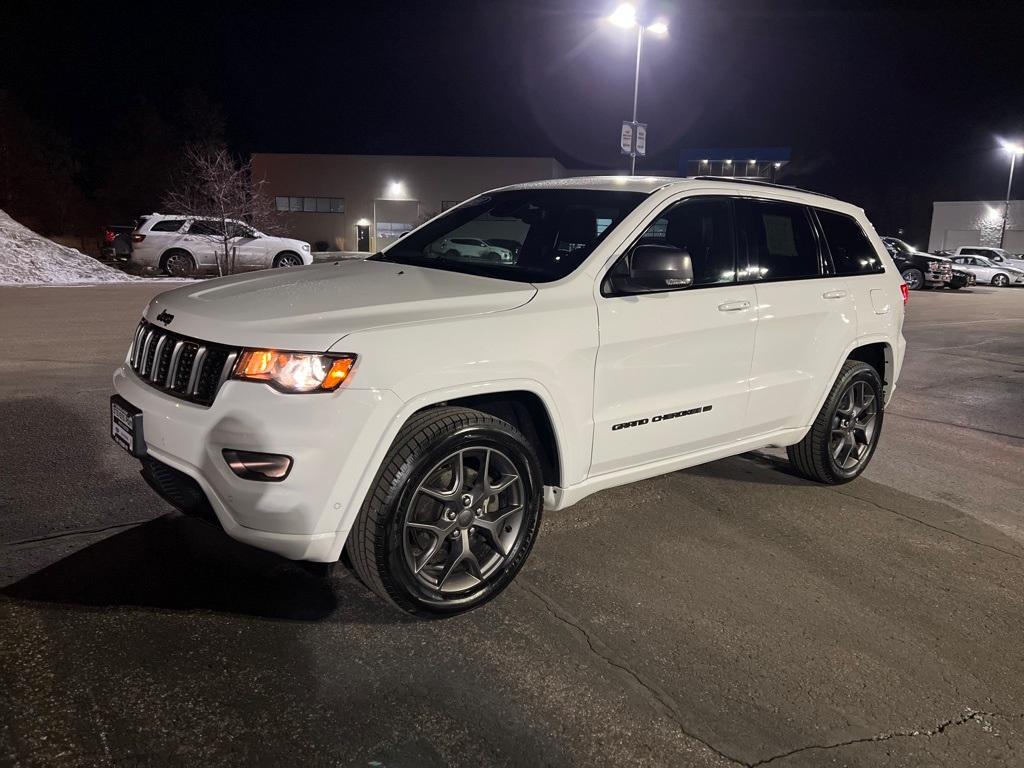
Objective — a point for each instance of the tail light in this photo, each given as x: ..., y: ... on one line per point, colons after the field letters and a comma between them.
x: 109, y: 236
x: 137, y: 238
x: 905, y: 291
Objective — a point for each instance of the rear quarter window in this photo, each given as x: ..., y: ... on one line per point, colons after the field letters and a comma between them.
x: 851, y: 251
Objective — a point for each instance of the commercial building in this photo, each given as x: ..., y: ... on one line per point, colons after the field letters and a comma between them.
x: 361, y: 202
x: 976, y: 223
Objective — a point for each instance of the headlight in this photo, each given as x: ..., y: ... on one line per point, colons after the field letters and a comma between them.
x: 294, y: 371
x: 933, y: 265
x: 305, y: 246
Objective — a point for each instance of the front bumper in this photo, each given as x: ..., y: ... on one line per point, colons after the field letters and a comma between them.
x: 330, y: 437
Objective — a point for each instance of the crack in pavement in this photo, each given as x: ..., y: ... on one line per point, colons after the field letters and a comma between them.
x: 968, y: 716
x: 659, y: 698
x: 76, y: 532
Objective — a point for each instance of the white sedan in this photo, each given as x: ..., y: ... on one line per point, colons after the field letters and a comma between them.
x: 989, y: 272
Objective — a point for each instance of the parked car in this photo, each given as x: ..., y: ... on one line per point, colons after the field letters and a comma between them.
x: 961, y: 278
x: 918, y: 269
x: 473, y: 248
x: 185, y: 246
x: 512, y: 246
x: 116, y: 242
x: 987, y: 272
x: 428, y: 408
x: 997, y: 256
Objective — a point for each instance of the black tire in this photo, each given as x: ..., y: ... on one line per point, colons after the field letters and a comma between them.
x: 1000, y: 281
x: 287, y: 259
x: 914, y: 278
x: 955, y: 287
x: 178, y: 263
x: 378, y: 544
x: 451, y: 254
x: 812, y: 457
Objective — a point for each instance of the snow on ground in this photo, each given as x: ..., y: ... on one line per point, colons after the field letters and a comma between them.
x: 27, y: 258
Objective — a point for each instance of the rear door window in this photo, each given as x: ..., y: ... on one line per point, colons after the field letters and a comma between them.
x: 167, y: 225
x: 779, y: 241
x: 851, y: 251
x: 206, y: 228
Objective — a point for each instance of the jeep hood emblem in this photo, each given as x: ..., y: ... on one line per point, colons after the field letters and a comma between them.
x: 165, y: 317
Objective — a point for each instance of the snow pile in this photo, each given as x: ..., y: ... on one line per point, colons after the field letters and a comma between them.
x: 27, y: 258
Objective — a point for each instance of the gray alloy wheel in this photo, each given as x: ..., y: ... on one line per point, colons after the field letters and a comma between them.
x: 1000, y: 281
x: 853, y: 426
x: 179, y: 264
x: 914, y: 278
x: 288, y: 260
x: 462, y: 522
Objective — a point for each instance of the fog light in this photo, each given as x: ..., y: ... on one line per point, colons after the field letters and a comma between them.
x: 265, y: 467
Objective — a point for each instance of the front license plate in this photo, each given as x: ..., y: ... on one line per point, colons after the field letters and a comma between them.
x: 126, y: 426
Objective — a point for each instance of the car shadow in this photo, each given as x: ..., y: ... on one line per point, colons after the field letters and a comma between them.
x: 180, y: 563
x: 750, y: 468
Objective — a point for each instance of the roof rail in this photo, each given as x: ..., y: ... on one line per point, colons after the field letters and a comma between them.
x: 757, y: 183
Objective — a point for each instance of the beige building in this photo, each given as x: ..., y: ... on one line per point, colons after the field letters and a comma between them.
x: 360, y: 202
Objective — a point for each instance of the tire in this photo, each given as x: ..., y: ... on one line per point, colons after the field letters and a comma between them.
x: 1000, y: 281
x: 452, y: 254
x: 815, y: 456
x: 178, y: 263
x: 914, y: 278
x: 287, y: 259
x: 393, y: 545
x: 955, y: 287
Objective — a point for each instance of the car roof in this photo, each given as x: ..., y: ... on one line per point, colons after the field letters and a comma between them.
x: 650, y: 184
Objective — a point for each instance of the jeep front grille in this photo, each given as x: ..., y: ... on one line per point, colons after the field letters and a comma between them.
x: 178, y: 365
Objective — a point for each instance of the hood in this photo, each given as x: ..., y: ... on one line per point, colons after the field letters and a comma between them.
x: 311, y: 308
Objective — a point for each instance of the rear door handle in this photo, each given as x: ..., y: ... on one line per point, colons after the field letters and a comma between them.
x: 733, y: 306
x: 834, y: 295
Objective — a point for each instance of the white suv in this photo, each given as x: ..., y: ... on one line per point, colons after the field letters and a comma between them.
x: 185, y: 246
x: 418, y: 411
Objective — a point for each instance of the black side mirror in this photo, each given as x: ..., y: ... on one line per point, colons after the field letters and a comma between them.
x: 654, y: 268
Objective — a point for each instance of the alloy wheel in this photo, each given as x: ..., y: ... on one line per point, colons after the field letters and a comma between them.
x: 288, y: 260
x: 853, y: 426
x: 463, y: 522
x: 913, y: 279
x: 179, y: 265
x: 1001, y: 280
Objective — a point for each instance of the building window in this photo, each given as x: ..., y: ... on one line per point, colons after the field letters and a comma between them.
x: 310, y: 204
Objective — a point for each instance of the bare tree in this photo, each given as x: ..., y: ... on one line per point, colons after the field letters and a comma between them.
x: 222, y: 194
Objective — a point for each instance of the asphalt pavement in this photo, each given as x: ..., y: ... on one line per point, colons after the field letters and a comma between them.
x: 730, y: 614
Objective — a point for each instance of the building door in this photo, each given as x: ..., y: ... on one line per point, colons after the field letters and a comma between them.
x: 363, y: 237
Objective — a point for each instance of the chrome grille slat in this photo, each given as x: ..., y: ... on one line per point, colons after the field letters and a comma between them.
x: 197, y: 366
x: 186, y: 368
x: 172, y: 369
x: 155, y: 365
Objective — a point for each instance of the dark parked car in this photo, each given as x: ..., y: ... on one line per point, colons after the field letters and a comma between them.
x: 961, y: 278
x: 116, y: 243
x: 919, y: 269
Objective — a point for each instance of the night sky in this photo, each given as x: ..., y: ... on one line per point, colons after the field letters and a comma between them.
x: 890, y: 105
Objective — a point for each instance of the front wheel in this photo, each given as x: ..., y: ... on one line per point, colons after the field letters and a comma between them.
x: 843, y: 437
x: 452, y: 514
x: 287, y: 260
x: 914, y: 278
x: 1000, y: 281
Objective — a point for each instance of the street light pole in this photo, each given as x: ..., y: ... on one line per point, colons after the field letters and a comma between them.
x: 636, y: 93
x: 1014, y: 151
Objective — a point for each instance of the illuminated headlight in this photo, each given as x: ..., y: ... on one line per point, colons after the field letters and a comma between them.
x: 305, y: 246
x: 934, y: 266
x: 294, y: 371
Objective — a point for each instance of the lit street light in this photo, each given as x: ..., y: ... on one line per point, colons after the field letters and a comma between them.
x: 1015, y: 151
x: 624, y: 16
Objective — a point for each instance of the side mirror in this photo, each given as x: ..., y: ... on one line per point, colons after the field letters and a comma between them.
x: 655, y: 268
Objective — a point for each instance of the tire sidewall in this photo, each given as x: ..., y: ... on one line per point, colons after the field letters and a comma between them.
x: 919, y: 279
x: 401, y: 584
x: 867, y: 374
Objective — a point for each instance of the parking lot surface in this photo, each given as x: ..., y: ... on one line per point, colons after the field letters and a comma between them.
x: 730, y: 614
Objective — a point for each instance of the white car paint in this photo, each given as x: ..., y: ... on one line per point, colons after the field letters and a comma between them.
x: 986, y: 271
x: 997, y: 256
x: 473, y: 248
x: 756, y: 361
x: 160, y: 234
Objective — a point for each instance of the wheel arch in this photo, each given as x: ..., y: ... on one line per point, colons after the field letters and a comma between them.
x: 176, y: 249
x: 286, y: 252
x: 877, y: 354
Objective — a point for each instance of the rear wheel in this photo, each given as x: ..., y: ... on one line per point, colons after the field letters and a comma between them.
x: 179, y: 264
x: 287, y: 260
x: 452, y: 514
x: 843, y: 437
x: 914, y: 278
x: 1000, y: 281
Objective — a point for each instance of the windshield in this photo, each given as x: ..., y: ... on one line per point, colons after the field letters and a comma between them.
x: 528, y: 235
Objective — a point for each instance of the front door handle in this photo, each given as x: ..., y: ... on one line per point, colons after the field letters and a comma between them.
x: 834, y: 295
x: 733, y: 306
